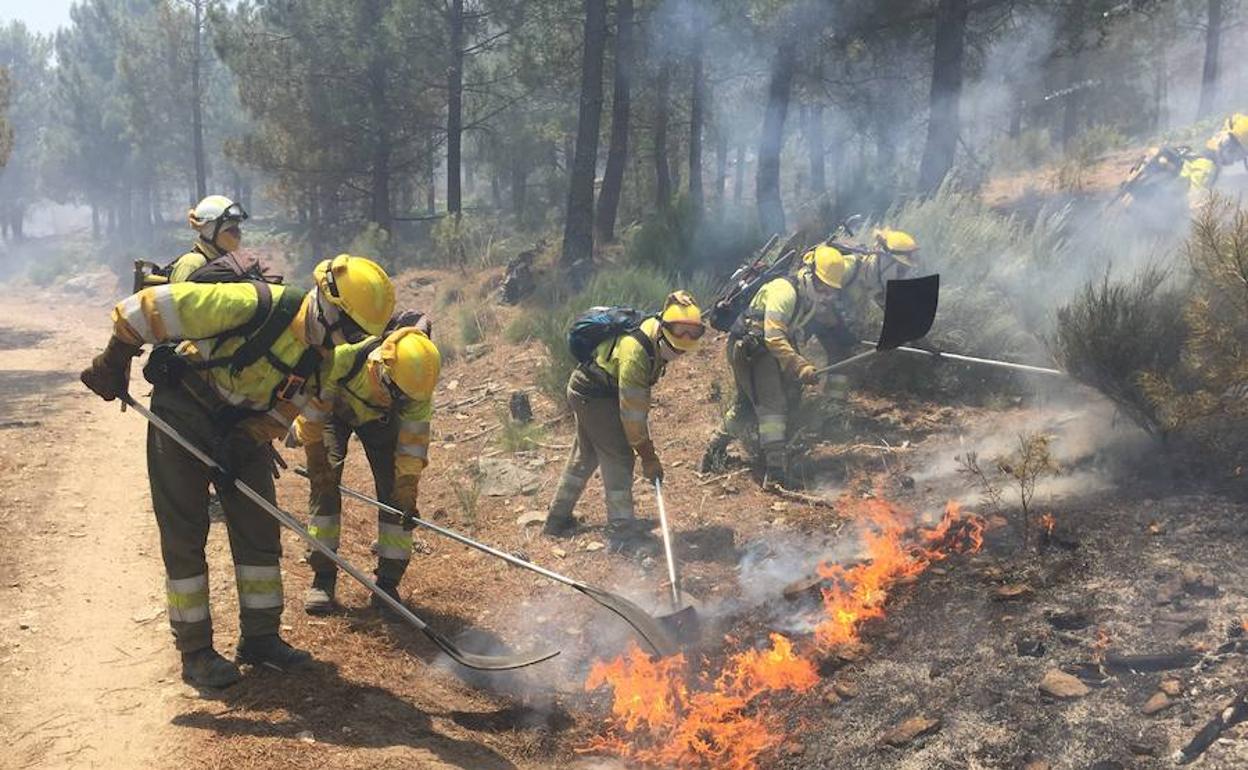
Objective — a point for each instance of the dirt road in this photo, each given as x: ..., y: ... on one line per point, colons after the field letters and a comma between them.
x: 88, y: 670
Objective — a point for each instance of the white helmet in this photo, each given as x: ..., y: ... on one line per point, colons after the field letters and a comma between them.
x: 214, y: 214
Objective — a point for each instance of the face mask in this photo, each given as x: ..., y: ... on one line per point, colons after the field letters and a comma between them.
x: 666, y: 351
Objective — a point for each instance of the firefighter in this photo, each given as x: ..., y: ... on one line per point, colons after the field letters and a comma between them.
x: 610, y: 400
x: 248, y: 358
x: 831, y: 289
x: 217, y: 220
x: 381, y: 390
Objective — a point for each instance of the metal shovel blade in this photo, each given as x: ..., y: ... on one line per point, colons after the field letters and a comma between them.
x: 682, y: 622
x: 909, y: 310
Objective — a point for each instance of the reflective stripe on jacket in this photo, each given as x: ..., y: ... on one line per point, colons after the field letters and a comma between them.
x: 200, y: 315
x: 634, y: 371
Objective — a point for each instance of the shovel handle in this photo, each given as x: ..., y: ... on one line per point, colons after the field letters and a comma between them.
x: 667, y: 544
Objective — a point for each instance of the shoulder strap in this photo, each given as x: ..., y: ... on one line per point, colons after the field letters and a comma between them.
x: 361, y: 358
x: 261, y: 339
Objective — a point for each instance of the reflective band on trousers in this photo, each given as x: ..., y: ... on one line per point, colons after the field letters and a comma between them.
x: 619, y: 503
x: 327, y: 529
x: 570, y: 485
x: 394, y: 542
x: 188, y: 599
x: 259, y: 587
x: 419, y: 451
x: 770, y: 428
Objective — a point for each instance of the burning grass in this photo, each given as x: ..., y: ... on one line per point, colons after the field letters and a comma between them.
x: 692, y: 713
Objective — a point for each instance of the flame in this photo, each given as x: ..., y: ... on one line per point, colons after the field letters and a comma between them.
x: 657, y: 719
x: 664, y: 713
x: 1048, y: 522
x: 1101, y: 645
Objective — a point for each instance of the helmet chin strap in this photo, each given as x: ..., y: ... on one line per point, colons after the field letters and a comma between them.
x: 666, y: 350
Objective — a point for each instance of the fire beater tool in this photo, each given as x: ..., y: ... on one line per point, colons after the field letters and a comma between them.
x: 977, y: 360
x: 647, y: 627
x: 683, y: 619
x: 469, y: 659
x: 909, y: 310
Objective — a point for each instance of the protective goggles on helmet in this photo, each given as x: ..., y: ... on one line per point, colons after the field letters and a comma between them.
x: 685, y: 330
x: 234, y: 213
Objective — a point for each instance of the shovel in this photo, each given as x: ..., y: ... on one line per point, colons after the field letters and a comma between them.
x: 683, y: 619
x: 909, y: 311
x: 469, y: 659
x: 647, y: 628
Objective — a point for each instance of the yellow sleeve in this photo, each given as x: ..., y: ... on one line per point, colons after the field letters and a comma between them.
x: 634, y: 386
x: 779, y: 300
x: 179, y: 311
x: 186, y: 264
x: 412, y: 453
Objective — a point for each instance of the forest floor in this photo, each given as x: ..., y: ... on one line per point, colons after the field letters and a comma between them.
x: 1138, y: 563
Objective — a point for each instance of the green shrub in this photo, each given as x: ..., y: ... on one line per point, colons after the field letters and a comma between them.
x: 54, y: 268
x: 1118, y: 333
x: 518, y: 436
x: 474, y: 322
x: 373, y: 242
x: 677, y: 241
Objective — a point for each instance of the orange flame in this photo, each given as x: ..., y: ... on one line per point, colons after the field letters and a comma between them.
x: 1048, y: 522
x: 1101, y: 645
x: 656, y: 719
x: 662, y: 714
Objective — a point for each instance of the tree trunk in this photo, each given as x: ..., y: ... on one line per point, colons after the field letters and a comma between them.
x: 767, y: 180
x: 697, y: 102
x: 815, y: 146
x: 519, y: 184
x: 1209, y: 76
x: 946, y: 92
x: 578, y: 233
x: 197, y: 107
x: 621, y: 95
x: 738, y: 176
x: 662, y: 111
x: 721, y: 168
x: 377, y: 67
x: 455, y: 108
x: 431, y: 178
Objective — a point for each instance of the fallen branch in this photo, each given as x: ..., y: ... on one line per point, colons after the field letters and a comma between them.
x: 1159, y: 662
x: 798, y: 497
x: 722, y: 477
x: 1232, y: 714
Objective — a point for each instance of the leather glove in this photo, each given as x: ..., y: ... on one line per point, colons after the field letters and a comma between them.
x: 651, y: 468
x: 107, y: 375
x: 320, y: 474
x: 405, y: 490
x: 807, y: 374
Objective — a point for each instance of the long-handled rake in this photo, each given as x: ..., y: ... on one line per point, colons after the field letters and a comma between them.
x: 469, y: 659
x: 647, y: 627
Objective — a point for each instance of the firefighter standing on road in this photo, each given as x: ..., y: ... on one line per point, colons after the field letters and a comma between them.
x: 249, y: 360
x: 381, y: 390
x: 610, y: 399
x: 832, y: 286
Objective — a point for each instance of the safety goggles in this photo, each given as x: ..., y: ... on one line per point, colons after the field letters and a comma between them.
x: 233, y: 213
x: 685, y: 330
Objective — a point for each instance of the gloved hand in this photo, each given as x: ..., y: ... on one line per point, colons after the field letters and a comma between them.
x: 807, y: 374
x: 405, y: 490
x: 320, y: 474
x: 409, y: 518
x: 106, y: 377
x: 651, y: 468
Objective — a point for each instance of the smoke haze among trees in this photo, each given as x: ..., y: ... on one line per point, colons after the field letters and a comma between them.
x: 405, y: 121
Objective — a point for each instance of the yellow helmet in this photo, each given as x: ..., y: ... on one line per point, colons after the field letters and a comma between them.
x: 900, y: 245
x: 412, y: 362
x: 359, y: 288
x: 828, y: 264
x: 681, y: 321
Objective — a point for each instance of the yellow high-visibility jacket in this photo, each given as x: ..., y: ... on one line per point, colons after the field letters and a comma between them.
x: 197, y: 257
x: 364, y: 398
x: 199, y: 315
x: 784, y: 317
x: 1201, y: 174
x: 634, y: 371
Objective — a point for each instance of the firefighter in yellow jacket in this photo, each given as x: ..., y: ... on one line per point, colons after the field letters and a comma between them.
x: 829, y: 291
x: 381, y: 390
x: 610, y: 399
x: 233, y: 365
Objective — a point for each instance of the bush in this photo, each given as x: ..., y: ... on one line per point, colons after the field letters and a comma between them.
x: 1116, y: 334
x: 373, y: 242
x: 474, y: 323
x: 675, y: 240
x: 518, y: 436
x: 55, y: 267
x: 467, y: 241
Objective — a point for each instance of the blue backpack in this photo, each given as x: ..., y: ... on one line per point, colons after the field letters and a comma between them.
x: 594, y: 326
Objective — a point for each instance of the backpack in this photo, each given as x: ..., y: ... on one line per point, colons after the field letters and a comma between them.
x: 598, y: 324
x: 226, y: 268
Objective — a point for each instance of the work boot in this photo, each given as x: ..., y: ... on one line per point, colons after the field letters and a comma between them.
x: 319, y: 600
x: 391, y: 588
x: 270, y: 650
x: 716, y: 454
x: 560, y: 526
x: 206, y: 668
x: 630, y: 538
